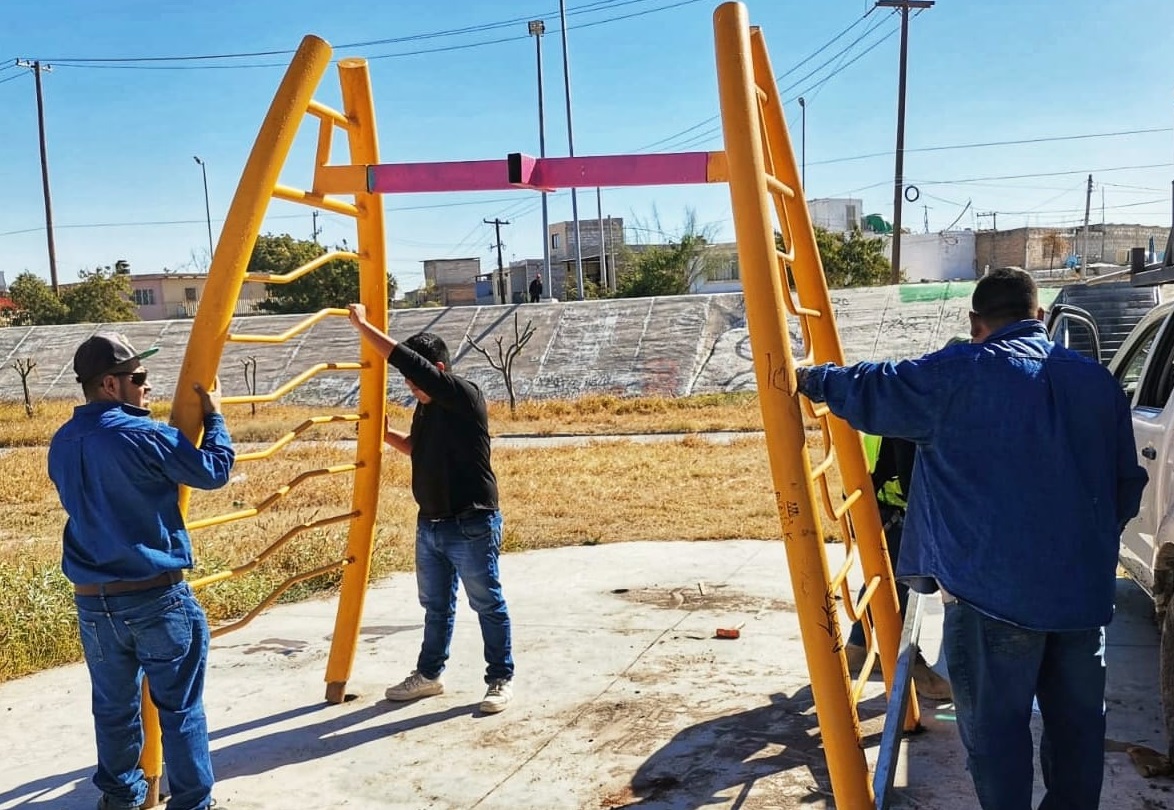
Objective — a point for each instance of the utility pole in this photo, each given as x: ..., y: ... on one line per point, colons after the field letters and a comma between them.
x: 1084, y: 252
x: 925, y: 208
x: 37, y: 69
x: 497, y: 223
x: 537, y: 28
x: 315, y: 231
x: 603, y: 280
x: 562, y: 11
x: 1102, y: 223
x: 899, y: 170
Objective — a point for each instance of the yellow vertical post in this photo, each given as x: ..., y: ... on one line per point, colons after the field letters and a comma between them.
x: 241, y: 226
x: 807, y: 271
x: 225, y: 277
x: 364, y: 147
x: 782, y: 419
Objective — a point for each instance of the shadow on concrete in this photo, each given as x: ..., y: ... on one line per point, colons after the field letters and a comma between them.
x: 703, y: 764
x: 306, y: 743
x: 252, y: 756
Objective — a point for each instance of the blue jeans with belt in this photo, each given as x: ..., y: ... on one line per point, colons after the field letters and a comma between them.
x: 161, y: 633
x: 465, y: 548
x: 995, y: 670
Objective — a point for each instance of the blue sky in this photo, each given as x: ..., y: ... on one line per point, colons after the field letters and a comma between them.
x: 121, y: 134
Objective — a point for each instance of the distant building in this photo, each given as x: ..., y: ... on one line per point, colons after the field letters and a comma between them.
x: 837, y: 214
x: 168, y: 296
x: 561, y: 237
x: 945, y: 256
x: 451, y: 282
x: 1052, y: 248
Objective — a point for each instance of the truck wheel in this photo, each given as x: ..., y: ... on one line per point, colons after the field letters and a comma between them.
x: 1166, y: 675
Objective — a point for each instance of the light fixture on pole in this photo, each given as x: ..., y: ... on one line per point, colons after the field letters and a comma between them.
x: 207, y: 207
x: 562, y: 13
x: 803, y: 141
x: 537, y: 28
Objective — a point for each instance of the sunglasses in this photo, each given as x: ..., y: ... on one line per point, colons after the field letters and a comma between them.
x: 137, y: 378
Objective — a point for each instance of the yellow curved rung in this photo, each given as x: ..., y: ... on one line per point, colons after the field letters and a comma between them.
x: 313, y: 421
x: 312, y: 371
x: 282, y: 588
x: 296, y: 329
x: 308, y: 267
x: 297, y: 195
x: 281, y: 492
x: 268, y: 551
x: 328, y: 114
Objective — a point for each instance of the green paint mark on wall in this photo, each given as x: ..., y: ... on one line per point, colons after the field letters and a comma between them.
x: 920, y: 293
x: 944, y: 291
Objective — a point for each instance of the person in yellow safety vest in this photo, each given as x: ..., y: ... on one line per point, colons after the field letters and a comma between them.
x: 890, y: 462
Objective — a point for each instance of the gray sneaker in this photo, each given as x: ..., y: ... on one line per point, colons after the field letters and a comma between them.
x: 413, y: 687
x: 497, y: 696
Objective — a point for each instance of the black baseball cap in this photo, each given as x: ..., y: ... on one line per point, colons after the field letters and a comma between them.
x: 103, y: 353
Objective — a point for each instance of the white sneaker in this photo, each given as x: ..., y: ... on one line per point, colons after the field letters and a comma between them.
x: 498, y: 696
x: 413, y: 687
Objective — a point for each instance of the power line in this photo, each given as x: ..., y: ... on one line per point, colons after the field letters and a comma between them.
x: 712, y: 132
x: 1046, y: 139
x: 778, y: 78
x: 156, y: 63
x: 1041, y: 174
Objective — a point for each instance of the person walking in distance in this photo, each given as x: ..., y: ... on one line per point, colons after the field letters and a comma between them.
x: 118, y: 473
x: 1026, y: 472
x: 536, y: 289
x: 458, y: 529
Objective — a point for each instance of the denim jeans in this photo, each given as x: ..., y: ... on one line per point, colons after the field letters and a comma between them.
x: 161, y: 633
x: 995, y: 669
x: 466, y: 548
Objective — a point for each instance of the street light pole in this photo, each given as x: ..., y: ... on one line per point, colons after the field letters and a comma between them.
x: 537, y: 29
x: 207, y: 207
x: 562, y: 13
x: 803, y: 141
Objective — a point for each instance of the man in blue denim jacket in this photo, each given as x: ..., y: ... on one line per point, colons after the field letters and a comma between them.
x: 117, y: 472
x: 458, y: 528
x: 1026, y: 473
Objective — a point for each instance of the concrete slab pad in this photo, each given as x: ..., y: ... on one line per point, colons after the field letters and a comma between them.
x: 624, y: 698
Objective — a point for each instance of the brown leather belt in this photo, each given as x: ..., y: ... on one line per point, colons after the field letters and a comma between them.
x: 129, y: 586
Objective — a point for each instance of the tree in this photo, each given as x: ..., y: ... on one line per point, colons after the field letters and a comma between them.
x: 24, y: 367
x: 36, y: 302
x: 1055, y: 243
x: 102, y: 296
x: 849, y: 260
x: 504, y: 362
x: 334, y: 285
x: 666, y: 269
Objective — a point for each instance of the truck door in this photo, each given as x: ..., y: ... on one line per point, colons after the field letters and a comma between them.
x: 1145, y: 369
x: 1074, y: 328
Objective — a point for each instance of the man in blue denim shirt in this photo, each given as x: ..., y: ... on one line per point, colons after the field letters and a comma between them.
x: 1026, y: 473
x: 458, y: 530
x: 117, y: 472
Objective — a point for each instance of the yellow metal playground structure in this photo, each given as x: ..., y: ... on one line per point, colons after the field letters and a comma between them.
x: 783, y: 284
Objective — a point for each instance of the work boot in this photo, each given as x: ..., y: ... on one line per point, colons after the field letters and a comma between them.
x: 930, y: 685
x: 106, y: 803
x: 413, y: 687
x: 498, y: 696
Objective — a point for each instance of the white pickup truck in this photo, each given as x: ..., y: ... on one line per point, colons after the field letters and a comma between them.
x: 1144, y: 365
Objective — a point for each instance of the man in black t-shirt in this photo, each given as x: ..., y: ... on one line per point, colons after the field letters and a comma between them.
x: 458, y: 531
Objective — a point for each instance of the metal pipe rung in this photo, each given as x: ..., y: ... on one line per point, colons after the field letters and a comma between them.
x: 282, y: 588
x: 296, y: 195
x: 321, y: 111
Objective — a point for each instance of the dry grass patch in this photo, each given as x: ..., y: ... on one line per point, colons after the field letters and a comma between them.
x: 587, y: 416
x: 602, y: 492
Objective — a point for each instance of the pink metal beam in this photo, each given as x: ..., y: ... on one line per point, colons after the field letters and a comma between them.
x: 544, y: 174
